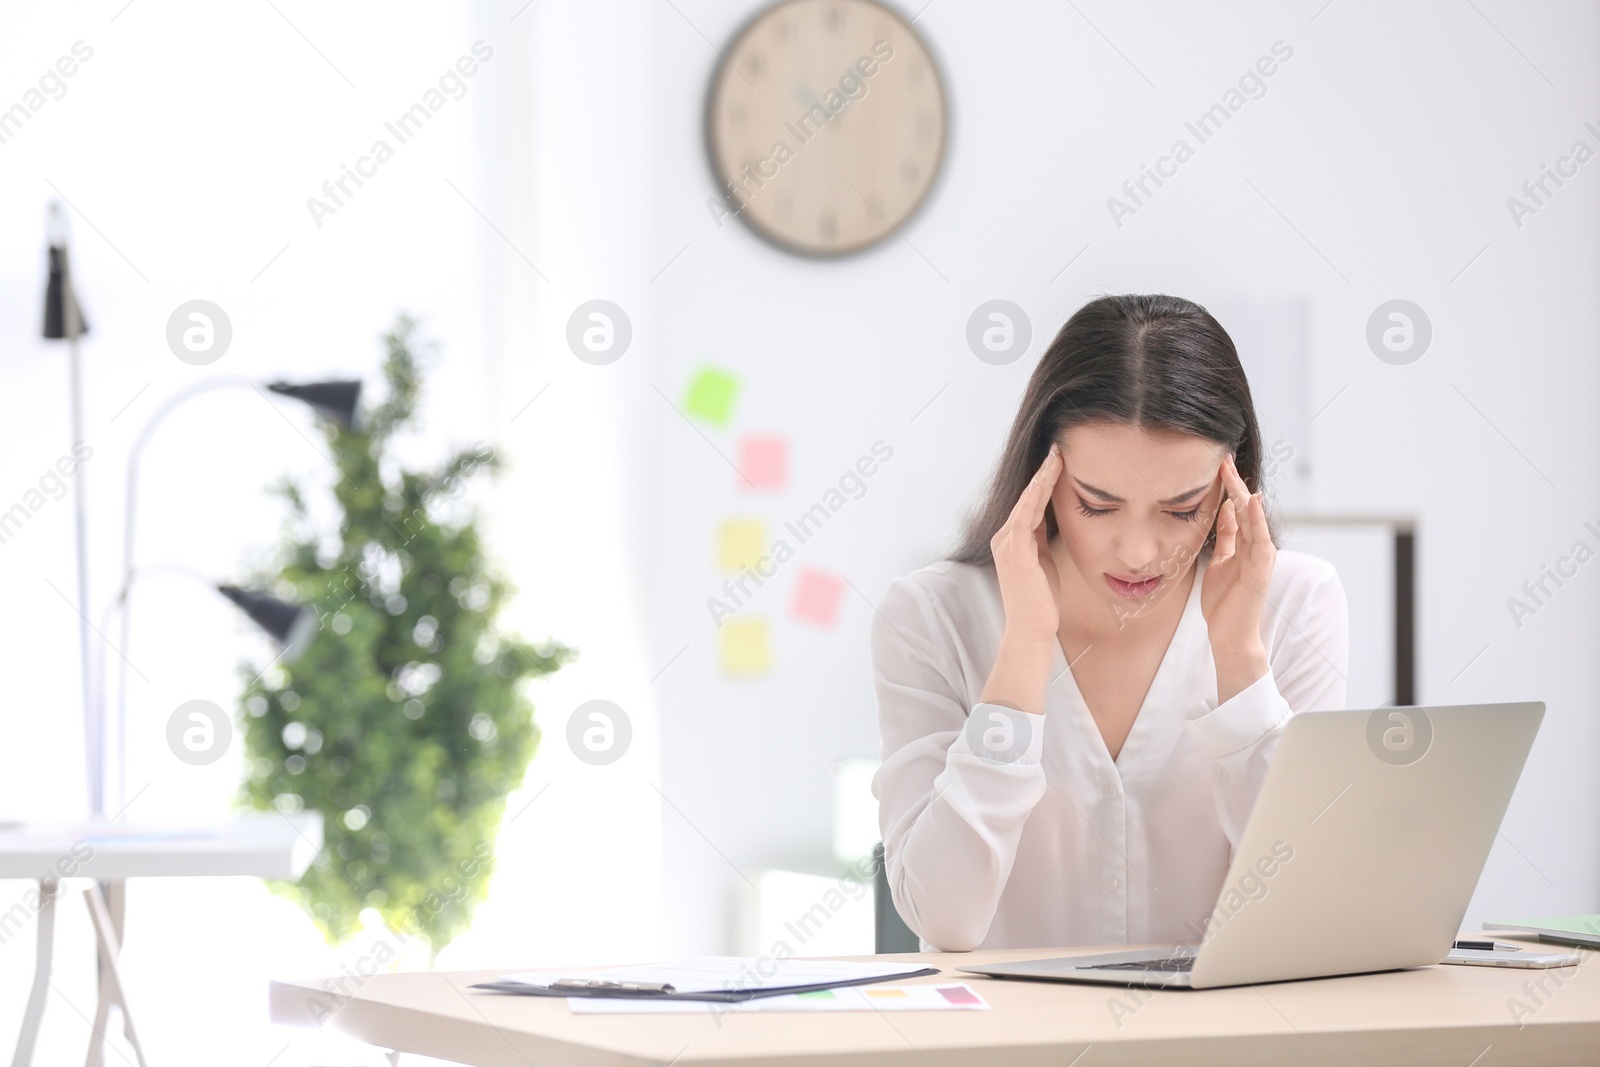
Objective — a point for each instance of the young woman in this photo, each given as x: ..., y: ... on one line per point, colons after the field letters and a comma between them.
x: 1078, y: 707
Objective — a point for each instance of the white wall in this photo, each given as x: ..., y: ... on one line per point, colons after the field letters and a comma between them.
x: 1376, y: 166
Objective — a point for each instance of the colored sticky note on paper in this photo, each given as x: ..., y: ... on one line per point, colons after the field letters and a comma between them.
x: 816, y: 597
x: 890, y: 992
x: 741, y: 543
x: 746, y: 646
x: 959, y: 994
x: 710, y: 396
x: 763, y: 462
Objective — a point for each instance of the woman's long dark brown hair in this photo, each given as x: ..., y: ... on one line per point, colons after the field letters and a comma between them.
x: 1160, y: 363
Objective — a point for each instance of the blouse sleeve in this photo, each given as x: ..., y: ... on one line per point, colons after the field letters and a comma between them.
x: 1306, y: 671
x: 954, y: 788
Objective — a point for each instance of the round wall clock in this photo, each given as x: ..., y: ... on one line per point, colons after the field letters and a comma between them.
x: 825, y: 125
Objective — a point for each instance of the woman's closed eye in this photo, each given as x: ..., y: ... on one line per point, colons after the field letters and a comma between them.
x: 1183, y: 516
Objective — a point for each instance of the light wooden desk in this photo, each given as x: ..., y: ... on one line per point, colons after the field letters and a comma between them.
x: 1445, y: 1015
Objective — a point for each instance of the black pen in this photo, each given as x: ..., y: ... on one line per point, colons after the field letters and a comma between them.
x: 578, y: 985
x: 1487, y: 946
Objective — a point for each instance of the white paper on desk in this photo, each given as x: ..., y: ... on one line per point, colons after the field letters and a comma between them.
x: 955, y: 997
x: 710, y: 974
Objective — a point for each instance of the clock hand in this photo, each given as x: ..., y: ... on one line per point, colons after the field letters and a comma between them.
x: 804, y: 94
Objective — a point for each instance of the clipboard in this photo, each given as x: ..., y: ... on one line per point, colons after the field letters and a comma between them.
x: 653, y: 982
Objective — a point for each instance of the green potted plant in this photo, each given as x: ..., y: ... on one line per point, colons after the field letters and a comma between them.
x: 407, y: 719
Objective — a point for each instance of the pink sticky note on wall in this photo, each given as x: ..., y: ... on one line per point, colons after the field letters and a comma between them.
x: 816, y: 597
x: 764, y: 462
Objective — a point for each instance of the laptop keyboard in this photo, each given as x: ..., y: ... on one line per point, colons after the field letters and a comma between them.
x: 1172, y: 963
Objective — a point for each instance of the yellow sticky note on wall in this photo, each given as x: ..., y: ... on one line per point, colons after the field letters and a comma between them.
x: 741, y: 543
x: 746, y: 646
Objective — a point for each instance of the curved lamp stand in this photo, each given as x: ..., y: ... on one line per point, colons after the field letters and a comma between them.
x: 335, y: 399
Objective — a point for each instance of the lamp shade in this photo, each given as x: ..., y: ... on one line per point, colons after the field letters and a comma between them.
x: 58, y: 291
x: 336, y: 399
x: 289, y: 624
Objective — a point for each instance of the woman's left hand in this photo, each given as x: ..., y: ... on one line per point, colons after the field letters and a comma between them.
x: 1233, y: 593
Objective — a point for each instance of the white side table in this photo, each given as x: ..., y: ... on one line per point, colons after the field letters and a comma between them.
x: 264, y: 845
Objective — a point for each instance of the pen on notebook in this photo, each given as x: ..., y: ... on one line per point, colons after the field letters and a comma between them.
x: 576, y: 984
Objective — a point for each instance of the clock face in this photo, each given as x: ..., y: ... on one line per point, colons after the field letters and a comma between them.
x: 826, y: 124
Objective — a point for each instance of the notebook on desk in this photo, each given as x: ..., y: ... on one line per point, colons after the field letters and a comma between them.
x: 715, y: 978
x: 1567, y: 930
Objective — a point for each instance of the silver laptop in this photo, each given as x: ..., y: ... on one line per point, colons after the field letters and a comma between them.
x: 1361, y: 854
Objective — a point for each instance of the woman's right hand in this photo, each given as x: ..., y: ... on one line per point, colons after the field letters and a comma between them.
x: 1030, y: 588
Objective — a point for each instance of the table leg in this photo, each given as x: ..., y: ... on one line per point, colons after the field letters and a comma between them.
x: 102, y: 1010
x: 41, y: 974
x: 116, y: 903
x: 110, y: 948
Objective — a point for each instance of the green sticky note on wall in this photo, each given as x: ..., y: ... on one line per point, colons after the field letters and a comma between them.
x: 710, y: 396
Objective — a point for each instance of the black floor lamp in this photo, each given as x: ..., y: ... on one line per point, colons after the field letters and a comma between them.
x: 287, y: 623
x: 63, y: 321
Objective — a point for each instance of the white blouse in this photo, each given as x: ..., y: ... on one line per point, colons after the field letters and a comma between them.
x: 1003, y: 829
